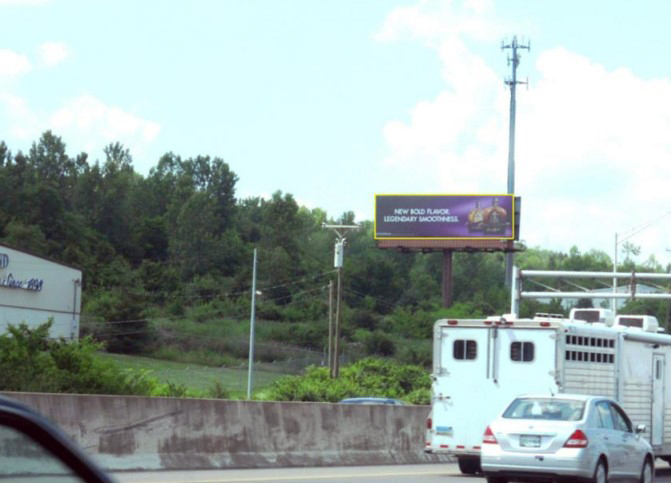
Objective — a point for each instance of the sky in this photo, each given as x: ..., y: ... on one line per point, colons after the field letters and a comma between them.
x: 335, y: 101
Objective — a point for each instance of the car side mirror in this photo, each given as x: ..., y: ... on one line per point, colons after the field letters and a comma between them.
x: 640, y: 428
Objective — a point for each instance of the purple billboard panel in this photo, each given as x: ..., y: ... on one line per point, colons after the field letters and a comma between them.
x: 445, y: 216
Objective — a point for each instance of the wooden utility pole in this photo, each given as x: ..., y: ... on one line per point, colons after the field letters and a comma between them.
x: 330, y: 354
x: 338, y: 261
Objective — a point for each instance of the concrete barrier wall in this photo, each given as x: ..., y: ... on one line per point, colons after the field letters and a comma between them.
x: 141, y: 433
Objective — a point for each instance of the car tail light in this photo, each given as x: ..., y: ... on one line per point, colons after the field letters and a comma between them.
x: 576, y: 440
x: 429, y: 423
x: 488, y: 437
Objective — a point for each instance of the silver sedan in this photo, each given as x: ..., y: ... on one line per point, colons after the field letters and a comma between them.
x: 540, y: 437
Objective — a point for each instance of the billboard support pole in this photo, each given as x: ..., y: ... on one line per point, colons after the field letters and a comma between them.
x: 447, y: 278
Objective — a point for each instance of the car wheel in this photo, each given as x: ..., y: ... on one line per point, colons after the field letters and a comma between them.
x: 648, y: 472
x: 600, y: 473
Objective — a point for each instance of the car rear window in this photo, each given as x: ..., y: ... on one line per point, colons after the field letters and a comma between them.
x: 545, y: 408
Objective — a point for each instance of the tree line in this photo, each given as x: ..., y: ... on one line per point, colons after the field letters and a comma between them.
x: 179, y: 237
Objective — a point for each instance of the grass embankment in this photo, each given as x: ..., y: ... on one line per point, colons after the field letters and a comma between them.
x: 193, y: 376
x: 223, y: 342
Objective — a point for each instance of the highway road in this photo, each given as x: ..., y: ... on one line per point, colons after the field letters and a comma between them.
x: 428, y: 473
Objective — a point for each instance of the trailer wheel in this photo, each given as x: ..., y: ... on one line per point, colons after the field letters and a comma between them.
x: 469, y: 465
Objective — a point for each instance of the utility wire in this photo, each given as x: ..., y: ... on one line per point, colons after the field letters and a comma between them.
x: 642, y: 227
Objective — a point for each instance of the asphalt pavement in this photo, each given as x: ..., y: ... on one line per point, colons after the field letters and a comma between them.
x: 427, y: 473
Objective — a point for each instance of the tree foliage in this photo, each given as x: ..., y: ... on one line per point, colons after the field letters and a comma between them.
x: 30, y: 361
x: 179, y: 238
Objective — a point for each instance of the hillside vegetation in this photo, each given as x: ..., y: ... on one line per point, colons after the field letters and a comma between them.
x: 167, y: 262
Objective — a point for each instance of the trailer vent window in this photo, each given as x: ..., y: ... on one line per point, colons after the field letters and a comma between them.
x: 522, y: 351
x: 465, y: 349
x: 590, y: 341
x: 597, y: 357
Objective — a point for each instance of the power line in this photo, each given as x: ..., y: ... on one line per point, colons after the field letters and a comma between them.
x: 643, y: 226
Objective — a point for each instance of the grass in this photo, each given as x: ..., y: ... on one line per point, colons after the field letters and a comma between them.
x: 194, y: 376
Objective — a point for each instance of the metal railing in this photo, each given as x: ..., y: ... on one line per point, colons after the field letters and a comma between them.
x: 517, y: 293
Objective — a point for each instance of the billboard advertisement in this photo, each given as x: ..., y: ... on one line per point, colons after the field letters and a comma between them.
x: 445, y: 217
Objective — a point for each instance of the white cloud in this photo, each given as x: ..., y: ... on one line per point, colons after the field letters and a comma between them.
x: 24, y: 2
x: 86, y: 123
x: 593, y: 146
x: 94, y: 124
x: 430, y: 20
x: 13, y: 64
x: 53, y: 53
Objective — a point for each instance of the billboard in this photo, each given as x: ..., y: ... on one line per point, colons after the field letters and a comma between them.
x: 446, y: 217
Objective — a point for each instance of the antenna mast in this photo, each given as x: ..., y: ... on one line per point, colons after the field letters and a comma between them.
x: 514, y: 61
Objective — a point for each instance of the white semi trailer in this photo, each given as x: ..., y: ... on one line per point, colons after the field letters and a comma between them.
x: 479, y: 366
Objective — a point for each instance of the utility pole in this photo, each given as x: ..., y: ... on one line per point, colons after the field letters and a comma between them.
x: 252, y: 320
x: 330, y: 358
x: 613, y: 303
x: 514, y: 61
x: 338, y: 261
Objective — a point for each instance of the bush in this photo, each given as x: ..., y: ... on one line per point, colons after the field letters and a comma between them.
x: 305, y: 334
x: 268, y: 311
x: 417, y: 325
x: 363, y: 319
x: 30, y: 361
x: 218, y: 391
x: 368, y: 377
x: 379, y: 343
x: 417, y: 354
x: 125, y: 330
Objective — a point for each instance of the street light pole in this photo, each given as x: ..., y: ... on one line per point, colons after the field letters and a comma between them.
x: 613, y: 302
x: 250, y: 371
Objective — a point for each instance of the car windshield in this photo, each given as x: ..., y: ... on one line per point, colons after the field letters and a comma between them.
x: 545, y: 408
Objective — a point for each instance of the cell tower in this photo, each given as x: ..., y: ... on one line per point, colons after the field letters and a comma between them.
x: 514, y: 61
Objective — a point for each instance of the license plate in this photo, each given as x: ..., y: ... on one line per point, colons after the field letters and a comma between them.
x: 530, y: 441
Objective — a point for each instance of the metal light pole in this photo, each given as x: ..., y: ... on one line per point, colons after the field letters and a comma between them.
x: 613, y: 302
x: 250, y: 372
